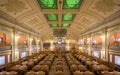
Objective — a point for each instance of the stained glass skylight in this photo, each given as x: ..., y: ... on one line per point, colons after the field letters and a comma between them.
x: 48, y: 4
x: 54, y: 25
x: 72, y: 4
x: 68, y: 17
x: 52, y: 17
x: 65, y: 25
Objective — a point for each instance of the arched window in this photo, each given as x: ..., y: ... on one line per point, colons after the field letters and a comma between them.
x: 85, y: 41
x: 22, y: 41
x: 4, y: 40
x: 97, y: 40
x: 115, y: 39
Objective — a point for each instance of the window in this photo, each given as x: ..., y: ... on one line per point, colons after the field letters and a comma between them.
x: 96, y: 54
x: 1, y: 39
x: 8, y: 58
x: 2, y: 60
x: 118, y: 39
x: 23, y: 54
x: 117, y: 60
x: 110, y: 58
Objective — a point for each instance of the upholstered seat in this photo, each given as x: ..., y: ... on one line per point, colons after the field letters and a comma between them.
x: 37, y: 68
x: 59, y: 73
x: 40, y: 73
x: 88, y: 73
x: 82, y: 68
x: 73, y: 68
x: 104, y: 68
x: 30, y: 73
x: 77, y: 73
x: 59, y: 68
x: 12, y: 73
x: 77, y: 62
x: 45, y: 68
x: 107, y: 73
x: 71, y: 63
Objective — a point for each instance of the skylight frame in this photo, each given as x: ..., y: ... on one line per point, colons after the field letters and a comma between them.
x: 50, y: 17
x: 46, y: 5
x: 65, y: 25
x: 68, y: 17
x: 67, y: 5
x: 53, y: 25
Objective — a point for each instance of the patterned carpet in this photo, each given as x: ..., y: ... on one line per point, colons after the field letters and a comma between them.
x: 65, y: 67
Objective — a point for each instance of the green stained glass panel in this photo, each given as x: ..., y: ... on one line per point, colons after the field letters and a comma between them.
x: 48, y: 4
x: 72, y: 4
x: 52, y: 17
x: 65, y: 25
x: 68, y: 17
x: 54, y: 25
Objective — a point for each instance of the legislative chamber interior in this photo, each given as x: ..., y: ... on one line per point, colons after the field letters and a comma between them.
x: 59, y: 37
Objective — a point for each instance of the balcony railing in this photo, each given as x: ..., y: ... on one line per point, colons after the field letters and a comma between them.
x: 34, y: 46
x: 97, y: 46
x: 23, y: 47
x: 5, y: 48
x: 114, y: 47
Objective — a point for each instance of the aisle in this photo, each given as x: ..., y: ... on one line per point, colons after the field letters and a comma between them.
x: 52, y: 70
x: 65, y: 67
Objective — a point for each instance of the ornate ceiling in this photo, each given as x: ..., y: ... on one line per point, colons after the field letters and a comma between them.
x: 42, y: 16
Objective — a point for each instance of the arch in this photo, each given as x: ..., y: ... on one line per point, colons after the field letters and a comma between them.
x: 115, y: 38
x: 97, y: 40
x: 73, y: 42
x: 4, y: 39
x: 8, y: 34
x: 22, y: 40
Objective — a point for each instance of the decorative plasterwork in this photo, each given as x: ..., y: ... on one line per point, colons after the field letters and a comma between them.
x: 105, y: 8
x: 28, y: 13
x: 14, y: 7
x: 86, y: 21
